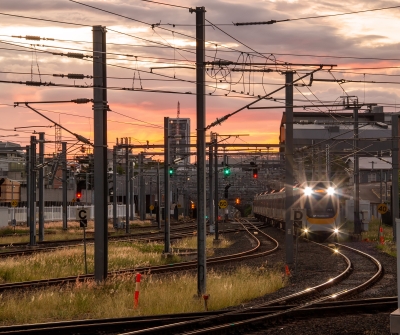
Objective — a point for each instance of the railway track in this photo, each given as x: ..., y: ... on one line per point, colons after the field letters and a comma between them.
x: 318, y: 301
x: 113, y: 326
x: 329, y: 291
x: 258, y: 251
x: 148, y: 230
x: 176, y: 233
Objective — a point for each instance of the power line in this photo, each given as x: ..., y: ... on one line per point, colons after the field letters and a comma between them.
x: 88, y: 117
x: 69, y: 54
x: 129, y: 18
x: 47, y: 20
x: 107, y: 53
x: 166, y: 4
x: 311, y: 17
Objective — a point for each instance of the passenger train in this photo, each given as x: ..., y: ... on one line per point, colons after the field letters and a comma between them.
x: 319, y: 198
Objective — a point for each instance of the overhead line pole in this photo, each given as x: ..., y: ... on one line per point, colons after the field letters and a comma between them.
x: 100, y: 153
x: 32, y: 195
x: 395, y: 185
x: 289, y: 179
x: 64, y: 185
x: 216, y: 187
x: 210, y: 185
x: 201, y: 150
x: 41, y: 187
x: 28, y: 183
x: 114, y: 162
x: 357, y: 222
x: 127, y: 195
x: 132, y: 191
x: 166, y: 187
x: 142, y: 192
x: 158, y: 216
x: 395, y: 316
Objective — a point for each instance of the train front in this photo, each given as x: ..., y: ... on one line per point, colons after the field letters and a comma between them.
x: 321, y: 202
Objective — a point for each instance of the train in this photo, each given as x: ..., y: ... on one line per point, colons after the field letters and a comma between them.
x: 320, y: 199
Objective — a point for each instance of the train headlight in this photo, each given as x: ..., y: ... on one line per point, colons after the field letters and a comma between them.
x: 331, y: 191
x: 308, y: 191
x: 336, y: 231
x: 305, y: 230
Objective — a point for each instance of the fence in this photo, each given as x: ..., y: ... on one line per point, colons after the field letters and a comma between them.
x: 54, y: 213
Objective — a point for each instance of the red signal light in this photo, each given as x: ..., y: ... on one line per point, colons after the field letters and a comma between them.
x: 78, y: 195
x: 255, y: 173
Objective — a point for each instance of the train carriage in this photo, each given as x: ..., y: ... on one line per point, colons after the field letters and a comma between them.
x: 319, y: 198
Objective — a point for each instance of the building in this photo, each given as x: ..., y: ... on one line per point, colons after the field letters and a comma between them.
x: 323, y: 141
x: 9, y: 190
x: 179, y: 132
x: 12, y: 161
x: 372, y: 169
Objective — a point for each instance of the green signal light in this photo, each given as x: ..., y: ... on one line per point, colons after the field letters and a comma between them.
x: 171, y: 171
x: 227, y: 171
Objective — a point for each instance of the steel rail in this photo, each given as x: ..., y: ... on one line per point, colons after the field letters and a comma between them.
x: 334, y: 296
x: 115, y: 239
x: 297, y: 295
x: 85, y: 326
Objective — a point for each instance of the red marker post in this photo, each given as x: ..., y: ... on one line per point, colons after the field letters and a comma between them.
x: 136, y: 298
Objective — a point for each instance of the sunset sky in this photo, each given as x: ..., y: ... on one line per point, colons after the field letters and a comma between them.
x: 365, y: 47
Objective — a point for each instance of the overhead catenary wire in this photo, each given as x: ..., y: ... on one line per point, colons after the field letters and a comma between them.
x: 147, y: 124
x: 313, y: 17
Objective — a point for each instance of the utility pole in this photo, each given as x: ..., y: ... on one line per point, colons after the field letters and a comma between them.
x: 41, y: 187
x: 216, y: 187
x: 312, y: 161
x: 380, y: 185
x: 127, y: 201
x: 115, y: 219
x: 395, y: 185
x: 201, y: 151
x: 100, y: 108
x: 32, y: 196
x: 142, y: 203
x: 210, y: 180
x: 289, y: 179
x: 328, y: 162
x: 28, y: 184
x: 64, y: 184
x: 166, y: 187
x: 158, y: 216
x: 394, y: 317
x: 131, y: 190
x: 357, y: 222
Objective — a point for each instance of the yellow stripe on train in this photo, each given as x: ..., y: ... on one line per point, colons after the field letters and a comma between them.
x: 322, y: 221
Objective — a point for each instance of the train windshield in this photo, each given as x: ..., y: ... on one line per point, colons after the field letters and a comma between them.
x: 320, y: 205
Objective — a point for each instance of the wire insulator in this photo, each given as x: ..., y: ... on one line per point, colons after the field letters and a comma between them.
x: 81, y: 101
x: 75, y: 55
x: 75, y: 76
x: 34, y: 83
x: 34, y: 38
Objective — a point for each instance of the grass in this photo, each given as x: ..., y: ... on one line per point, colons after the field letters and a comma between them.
x: 169, y: 294
x: 388, y: 246
x: 191, y: 243
x: 70, y: 261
